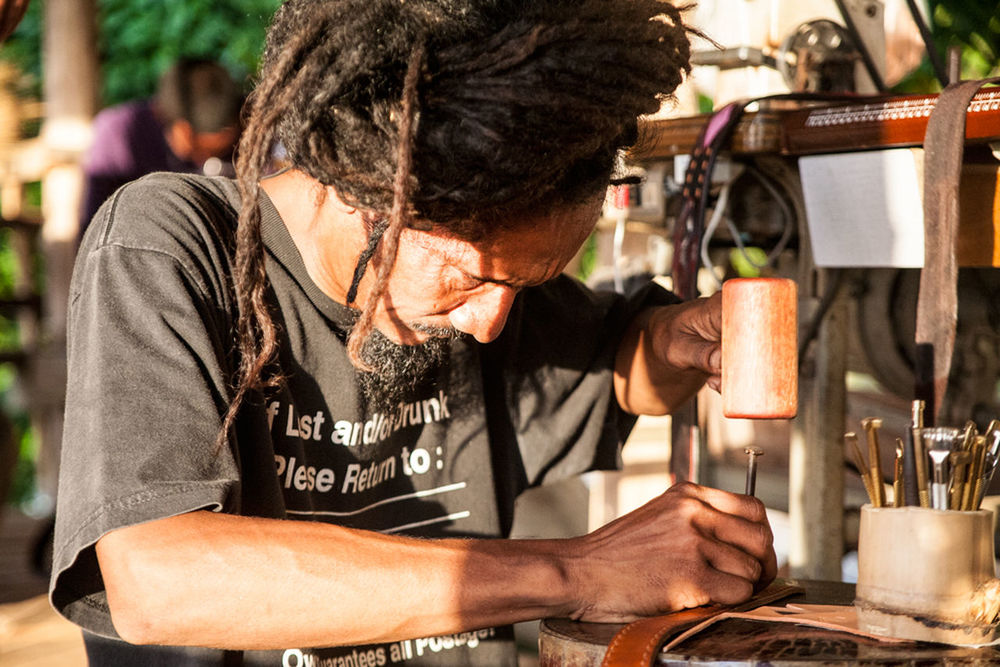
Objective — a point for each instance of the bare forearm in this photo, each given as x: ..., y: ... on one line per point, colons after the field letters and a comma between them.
x: 234, y: 582
x: 216, y: 580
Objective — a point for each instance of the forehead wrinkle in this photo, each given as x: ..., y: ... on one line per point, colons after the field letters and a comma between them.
x: 462, y: 256
x: 560, y: 229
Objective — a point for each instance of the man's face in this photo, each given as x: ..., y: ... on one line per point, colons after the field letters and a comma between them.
x: 213, y: 144
x: 197, y: 147
x: 443, y: 287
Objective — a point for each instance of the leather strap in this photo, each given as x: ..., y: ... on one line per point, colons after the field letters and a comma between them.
x: 937, y: 302
x: 637, y: 644
x: 714, y: 137
x: 695, y: 196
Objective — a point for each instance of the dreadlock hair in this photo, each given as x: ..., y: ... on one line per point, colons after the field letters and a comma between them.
x: 456, y: 113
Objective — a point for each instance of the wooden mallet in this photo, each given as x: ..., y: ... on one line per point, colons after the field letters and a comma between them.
x: 759, y: 348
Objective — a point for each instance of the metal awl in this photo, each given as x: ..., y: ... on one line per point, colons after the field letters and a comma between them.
x: 752, y: 454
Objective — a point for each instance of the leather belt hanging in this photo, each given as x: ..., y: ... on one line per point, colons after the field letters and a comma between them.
x: 937, y: 302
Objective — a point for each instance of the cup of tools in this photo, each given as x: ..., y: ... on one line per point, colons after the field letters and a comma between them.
x: 927, y: 574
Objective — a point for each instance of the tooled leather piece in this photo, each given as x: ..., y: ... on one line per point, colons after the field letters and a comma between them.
x: 638, y: 643
x: 841, y: 618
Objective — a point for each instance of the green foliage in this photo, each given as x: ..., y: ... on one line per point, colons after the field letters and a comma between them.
x: 588, y: 258
x: 139, y: 39
x: 973, y: 27
x: 705, y: 103
x: 8, y: 269
x: 22, y: 487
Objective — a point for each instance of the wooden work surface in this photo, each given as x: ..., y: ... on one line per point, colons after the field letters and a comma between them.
x: 565, y: 643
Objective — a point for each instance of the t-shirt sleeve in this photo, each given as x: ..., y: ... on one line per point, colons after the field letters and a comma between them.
x: 558, y: 354
x: 147, y: 382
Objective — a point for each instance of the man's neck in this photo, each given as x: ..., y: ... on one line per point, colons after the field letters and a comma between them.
x: 329, y: 234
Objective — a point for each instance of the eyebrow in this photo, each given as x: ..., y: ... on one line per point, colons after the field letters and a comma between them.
x: 513, y: 284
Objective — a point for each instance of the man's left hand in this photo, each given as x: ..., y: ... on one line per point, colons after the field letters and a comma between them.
x: 668, y: 353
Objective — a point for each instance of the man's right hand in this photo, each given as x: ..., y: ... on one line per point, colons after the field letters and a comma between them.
x: 690, y: 546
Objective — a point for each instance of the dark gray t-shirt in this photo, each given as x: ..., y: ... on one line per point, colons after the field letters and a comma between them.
x: 151, y: 359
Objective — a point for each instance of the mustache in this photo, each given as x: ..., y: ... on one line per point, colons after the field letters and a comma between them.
x: 448, y: 333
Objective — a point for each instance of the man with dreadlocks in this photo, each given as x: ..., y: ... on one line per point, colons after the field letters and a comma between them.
x: 301, y: 406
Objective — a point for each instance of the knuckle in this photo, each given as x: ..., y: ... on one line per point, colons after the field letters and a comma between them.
x: 767, y: 536
x: 762, y: 536
x: 742, y: 590
x: 685, y: 488
x: 754, y: 509
x: 690, y: 509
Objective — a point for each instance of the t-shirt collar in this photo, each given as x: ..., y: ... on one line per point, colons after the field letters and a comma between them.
x: 282, y: 249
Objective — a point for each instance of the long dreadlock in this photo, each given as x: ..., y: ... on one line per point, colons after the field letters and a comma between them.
x: 400, y: 214
x: 459, y: 113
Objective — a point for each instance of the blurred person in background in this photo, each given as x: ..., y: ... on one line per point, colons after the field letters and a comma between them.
x: 192, y: 118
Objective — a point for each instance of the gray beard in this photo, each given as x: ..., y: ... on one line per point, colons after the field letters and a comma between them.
x: 400, y: 370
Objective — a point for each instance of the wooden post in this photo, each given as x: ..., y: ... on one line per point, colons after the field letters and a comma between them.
x: 71, y: 92
x: 816, y: 456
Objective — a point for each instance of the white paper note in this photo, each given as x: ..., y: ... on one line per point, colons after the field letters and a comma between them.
x: 865, y: 208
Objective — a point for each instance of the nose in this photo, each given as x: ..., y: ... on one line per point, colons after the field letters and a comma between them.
x: 484, y: 315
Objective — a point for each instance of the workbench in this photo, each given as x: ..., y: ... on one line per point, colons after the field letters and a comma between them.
x: 774, y: 138
x: 565, y: 643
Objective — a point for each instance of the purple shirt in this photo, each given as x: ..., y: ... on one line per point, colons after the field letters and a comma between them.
x: 128, y: 143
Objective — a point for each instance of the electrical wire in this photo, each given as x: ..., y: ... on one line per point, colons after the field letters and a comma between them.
x: 720, y: 208
x: 786, y: 213
x: 718, y: 215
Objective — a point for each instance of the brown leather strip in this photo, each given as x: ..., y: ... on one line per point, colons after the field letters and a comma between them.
x: 937, y: 303
x: 637, y: 644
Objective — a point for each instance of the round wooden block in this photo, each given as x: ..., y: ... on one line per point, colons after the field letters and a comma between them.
x: 760, y: 348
